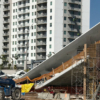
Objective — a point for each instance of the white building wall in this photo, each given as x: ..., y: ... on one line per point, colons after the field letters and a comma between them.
x: 57, y: 26
x: 85, y: 15
x: 1, y: 27
x: 32, y: 23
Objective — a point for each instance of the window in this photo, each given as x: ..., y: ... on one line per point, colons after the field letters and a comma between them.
x: 32, y: 20
x: 34, y: 26
x: 15, y: 49
x: 79, y: 13
x: 13, y: 10
x: 12, y: 49
x: 32, y: 13
x: 65, y: 11
x: 65, y: 4
x: 34, y: 54
x: 50, y: 54
x: 13, y: 4
x: 13, y: 36
x: 31, y: 54
x: 50, y: 24
x: 64, y: 32
x: 16, y: 10
x: 64, y: 39
x: 64, y: 25
x: 50, y: 39
x: 50, y: 31
x: 16, y: 3
x: 34, y: 33
x: 31, y: 47
x: 50, y: 46
x: 31, y: 40
x: 50, y: 10
x: 34, y: 40
x: 51, y: 3
x: 64, y: 18
x: 79, y: 20
x: 50, y: 17
x: 32, y: 0
x: 31, y: 34
x: 13, y: 43
x: 32, y: 6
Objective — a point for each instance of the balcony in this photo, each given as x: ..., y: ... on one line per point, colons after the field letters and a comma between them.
x: 5, y: 40
x: 23, y: 18
x: 23, y: 45
x: 72, y: 29
x: 41, y: 22
x: 6, y: 21
x: 23, y: 59
x: 6, y: 9
x: 41, y: 1
x: 74, y: 2
x: 6, y: 3
x: 6, y: 28
x: 6, y: 15
x: 23, y: 52
x: 40, y: 50
x: 42, y: 8
x: 73, y: 8
x: 71, y: 22
x: 40, y: 57
x: 23, y: 39
x: 5, y: 47
x: 41, y: 29
x: 23, y: 5
x: 40, y: 43
x: 5, y: 34
x: 23, y: 25
x: 72, y: 15
x: 42, y: 15
x: 24, y: 11
x: 23, y: 32
x: 5, y: 53
x: 72, y: 37
x: 41, y: 36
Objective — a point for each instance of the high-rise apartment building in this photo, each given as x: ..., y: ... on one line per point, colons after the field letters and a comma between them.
x: 7, y: 29
x: 1, y: 26
x: 36, y: 29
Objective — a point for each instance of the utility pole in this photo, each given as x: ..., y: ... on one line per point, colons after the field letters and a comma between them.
x: 85, y: 61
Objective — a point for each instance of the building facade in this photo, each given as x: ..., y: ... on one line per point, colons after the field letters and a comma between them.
x: 7, y: 4
x: 40, y: 28
x: 1, y: 26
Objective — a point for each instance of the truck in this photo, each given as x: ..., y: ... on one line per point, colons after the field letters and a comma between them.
x: 9, y: 88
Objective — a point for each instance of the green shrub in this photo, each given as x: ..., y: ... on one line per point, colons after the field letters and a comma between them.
x: 9, y: 66
x: 15, y: 67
